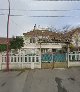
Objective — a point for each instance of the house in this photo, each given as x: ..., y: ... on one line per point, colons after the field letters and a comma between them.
x: 42, y: 39
x: 3, y: 40
x: 42, y: 50
x: 74, y: 37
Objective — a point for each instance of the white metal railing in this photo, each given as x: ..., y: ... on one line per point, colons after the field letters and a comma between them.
x: 21, y: 58
x: 73, y: 59
x: 74, y: 56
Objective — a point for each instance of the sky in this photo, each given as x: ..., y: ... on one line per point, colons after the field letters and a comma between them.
x: 43, y: 12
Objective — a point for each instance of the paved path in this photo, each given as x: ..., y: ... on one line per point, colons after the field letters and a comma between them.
x: 45, y: 80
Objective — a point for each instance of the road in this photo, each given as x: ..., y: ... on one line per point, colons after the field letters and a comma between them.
x: 43, y: 80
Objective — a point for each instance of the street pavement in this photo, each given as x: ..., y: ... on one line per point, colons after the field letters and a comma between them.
x: 41, y: 80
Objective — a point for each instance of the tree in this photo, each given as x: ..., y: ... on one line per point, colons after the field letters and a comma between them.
x: 66, y: 28
x: 16, y: 43
x: 72, y: 47
x: 53, y: 29
x: 77, y: 39
x: 3, y: 47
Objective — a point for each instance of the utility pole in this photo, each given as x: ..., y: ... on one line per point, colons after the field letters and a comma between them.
x: 8, y: 37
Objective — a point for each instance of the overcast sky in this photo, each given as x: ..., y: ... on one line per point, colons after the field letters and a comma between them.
x: 24, y: 23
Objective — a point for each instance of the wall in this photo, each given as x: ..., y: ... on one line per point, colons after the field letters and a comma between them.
x: 76, y: 39
x: 27, y: 44
x: 34, y: 45
x: 54, y: 65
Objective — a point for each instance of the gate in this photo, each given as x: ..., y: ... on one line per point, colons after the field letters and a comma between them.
x: 57, y: 57
x: 22, y: 61
x: 57, y: 60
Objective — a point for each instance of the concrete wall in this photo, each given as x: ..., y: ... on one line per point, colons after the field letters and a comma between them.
x: 21, y: 65
x: 74, y: 64
x: 54, y: 65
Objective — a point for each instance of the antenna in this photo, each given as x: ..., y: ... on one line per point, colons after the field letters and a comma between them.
x: 35, y: 27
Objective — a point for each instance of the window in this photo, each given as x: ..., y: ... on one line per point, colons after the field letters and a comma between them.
x: 37, y: 59
x: 32, y: 40
x: 33, y: 59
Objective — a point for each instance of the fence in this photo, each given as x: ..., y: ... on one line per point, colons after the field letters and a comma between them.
x: 74, y: 59
x: 57, y: 57
x: 22, y: 61
x: 34, y: 61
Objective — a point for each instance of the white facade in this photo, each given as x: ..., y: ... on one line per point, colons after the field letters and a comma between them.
x: 30, y: 47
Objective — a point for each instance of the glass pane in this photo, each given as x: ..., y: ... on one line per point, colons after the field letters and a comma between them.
x: 37, y: 59
x: 29, y: 59
x: 5, y: 59
x: 33, y: 59
x: 2, y: 59
x: 25, y: 59
x: 18, y: 59
x: 11, y: 59
x: 14, y: 59
x: 21, y: 59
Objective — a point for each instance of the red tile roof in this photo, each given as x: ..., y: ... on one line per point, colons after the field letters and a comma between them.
x: 3, y: 40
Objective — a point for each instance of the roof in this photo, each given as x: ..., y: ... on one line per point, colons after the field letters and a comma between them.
x: 3, y: 40
x: 37, y: 32
x: 54, y: 36
x: 68, y: 35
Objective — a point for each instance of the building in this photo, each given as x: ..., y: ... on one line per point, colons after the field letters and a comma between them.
x: 74, y: 37
x: 42, y: 49
x: 42, y: 39
x: 3, y: 40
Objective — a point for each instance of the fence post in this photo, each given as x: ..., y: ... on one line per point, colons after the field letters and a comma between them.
x: 0, y: 60
x: 40, y: 61
x: 40, y: 56
x: 68, y: 55
x: 52, y: 61
x: 79, y: 56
